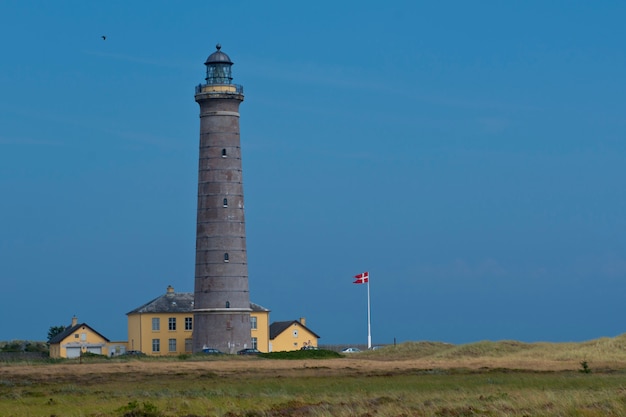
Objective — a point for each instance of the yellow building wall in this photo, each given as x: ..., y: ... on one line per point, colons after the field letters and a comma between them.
x: 55, y: 350
x: 293, y: 338
x: 262, y: 331
x: 134, y: 332
x: 142, y: 334
x: 84, y: 339
x: 116, y: 348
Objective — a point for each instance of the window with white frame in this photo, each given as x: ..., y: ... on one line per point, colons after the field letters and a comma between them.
x: 172, y: 345
x: 156, y: 324
x: 171, y: 323
x: 156, y: 345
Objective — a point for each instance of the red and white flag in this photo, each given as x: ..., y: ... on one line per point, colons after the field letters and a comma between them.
x: 362, y: 278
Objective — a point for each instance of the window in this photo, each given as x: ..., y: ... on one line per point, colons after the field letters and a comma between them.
x: 226, y: 258
x: 295, y: 333
x: 253, y: 322
x: 76, y: 336
x: 225, y: 202
x: 254, y: 343
x: 188, y: 323
x: 223, y: 153
x: 83, y: 337
x: 171, y: 323
x: 156, y: 324
x: 156, y: 345
x: 188, y: 345
x: 172, y: 345
x: 227, y: 304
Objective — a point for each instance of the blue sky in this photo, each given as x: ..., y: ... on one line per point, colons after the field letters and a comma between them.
x: 469, y: 155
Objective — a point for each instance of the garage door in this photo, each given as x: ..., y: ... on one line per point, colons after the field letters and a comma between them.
x: 96, y: 350
x: 73, y: 352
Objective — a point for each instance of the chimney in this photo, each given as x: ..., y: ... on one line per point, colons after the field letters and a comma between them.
x: 170, y: 289
x: 74, y: 321
x: 303, y: 321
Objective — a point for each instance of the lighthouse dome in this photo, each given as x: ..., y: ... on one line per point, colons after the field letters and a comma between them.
x: 218, y: 57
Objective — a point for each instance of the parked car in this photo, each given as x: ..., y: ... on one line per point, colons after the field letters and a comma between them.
x: 212, y: 351
x: 350, y: 350
x: 309, y: 348
x: 248, y: 351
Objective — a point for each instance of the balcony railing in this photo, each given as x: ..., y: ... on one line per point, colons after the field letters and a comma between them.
x: 219, y: 88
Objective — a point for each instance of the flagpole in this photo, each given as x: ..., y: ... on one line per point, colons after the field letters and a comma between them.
x: 369, y: 327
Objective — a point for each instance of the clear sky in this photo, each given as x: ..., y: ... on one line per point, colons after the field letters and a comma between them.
x: 470, y: 155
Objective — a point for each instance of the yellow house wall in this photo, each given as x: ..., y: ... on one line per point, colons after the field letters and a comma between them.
x: 134, y: 332
x: 293, y: 338
x: 83, y: 337
x: 116, y: 348
x: 141, y: 335
x: 55, y: 351
x: 262, y: 331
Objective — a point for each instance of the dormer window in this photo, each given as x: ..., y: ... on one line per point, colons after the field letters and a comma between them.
x: 223, y: 153
x: 225, y: 202
x: 226, y: 257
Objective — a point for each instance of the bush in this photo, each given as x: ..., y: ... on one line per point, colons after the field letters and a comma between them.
x: 584, y: 367
x: 134, y: 409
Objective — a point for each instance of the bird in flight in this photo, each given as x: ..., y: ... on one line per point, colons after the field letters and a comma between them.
x: 104, y: 38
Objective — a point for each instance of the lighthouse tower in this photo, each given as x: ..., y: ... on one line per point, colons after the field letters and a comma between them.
x: 221, y: 295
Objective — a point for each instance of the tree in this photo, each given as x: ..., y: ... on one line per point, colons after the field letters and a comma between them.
x: 14, y: 346
x: 54, y: 330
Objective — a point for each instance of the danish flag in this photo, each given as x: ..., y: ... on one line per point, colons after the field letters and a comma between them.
x: 362, y: 278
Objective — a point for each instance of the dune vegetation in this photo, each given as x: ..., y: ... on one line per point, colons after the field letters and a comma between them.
x: 504, y: 378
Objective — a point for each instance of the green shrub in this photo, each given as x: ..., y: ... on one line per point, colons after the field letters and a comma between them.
x: 584, y: 367
x: 134, y: 409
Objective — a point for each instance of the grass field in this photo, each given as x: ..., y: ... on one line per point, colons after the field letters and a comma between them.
x: 412, y: 379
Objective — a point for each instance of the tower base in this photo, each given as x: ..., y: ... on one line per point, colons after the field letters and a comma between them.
x: 225, y: 329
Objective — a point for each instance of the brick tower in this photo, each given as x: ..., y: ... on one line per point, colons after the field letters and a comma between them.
x: 221, y: 295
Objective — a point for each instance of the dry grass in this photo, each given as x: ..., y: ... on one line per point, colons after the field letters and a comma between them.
x: 604, y: 353
x: 505, y: 378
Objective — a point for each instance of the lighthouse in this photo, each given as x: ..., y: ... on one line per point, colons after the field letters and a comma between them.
x: 221, y: 292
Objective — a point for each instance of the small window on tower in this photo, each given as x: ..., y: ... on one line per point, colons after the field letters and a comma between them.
x: 223, y: 153
x: 225, y: 202
x: 227, y: 304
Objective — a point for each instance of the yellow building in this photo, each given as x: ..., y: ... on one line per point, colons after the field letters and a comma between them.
x: 291, y: 335
x: 76, y: 340
x: 164, y: 326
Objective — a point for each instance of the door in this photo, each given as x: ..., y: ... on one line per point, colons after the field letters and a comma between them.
x: 72, y: 352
